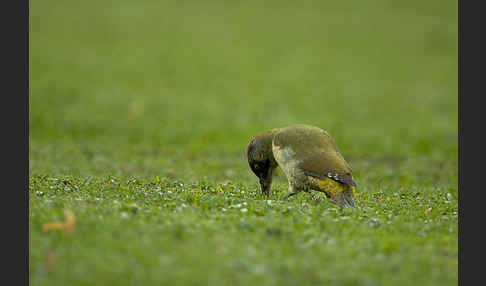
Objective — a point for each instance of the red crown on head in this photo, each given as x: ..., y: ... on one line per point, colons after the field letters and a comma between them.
x: 254, y: 139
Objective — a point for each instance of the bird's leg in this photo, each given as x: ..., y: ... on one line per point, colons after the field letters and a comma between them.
x: 292, y: 191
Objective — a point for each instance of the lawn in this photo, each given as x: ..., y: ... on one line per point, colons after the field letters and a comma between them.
x: 141, y: 111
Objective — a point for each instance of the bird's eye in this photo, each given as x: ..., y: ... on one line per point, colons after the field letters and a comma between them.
x: 260, y: 168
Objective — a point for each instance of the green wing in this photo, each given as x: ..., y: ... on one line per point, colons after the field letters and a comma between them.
x: 316, y: 152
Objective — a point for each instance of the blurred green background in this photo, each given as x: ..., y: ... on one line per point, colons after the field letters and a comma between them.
x: 181, y: 87
x: 177, y: 89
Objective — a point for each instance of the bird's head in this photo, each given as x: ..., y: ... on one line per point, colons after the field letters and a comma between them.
x: 261, y: 160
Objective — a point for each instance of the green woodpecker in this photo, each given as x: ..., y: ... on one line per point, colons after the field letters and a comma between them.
x: 309, y: 158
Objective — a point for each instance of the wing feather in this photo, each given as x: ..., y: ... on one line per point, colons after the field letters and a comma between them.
x: 316, y: 152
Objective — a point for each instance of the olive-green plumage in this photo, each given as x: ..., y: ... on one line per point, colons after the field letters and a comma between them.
x: 308, y: 156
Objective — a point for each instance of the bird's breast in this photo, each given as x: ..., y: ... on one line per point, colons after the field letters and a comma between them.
x: 285, y: 157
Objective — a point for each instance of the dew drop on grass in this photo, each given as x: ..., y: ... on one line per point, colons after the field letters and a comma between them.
x: 236, y: 206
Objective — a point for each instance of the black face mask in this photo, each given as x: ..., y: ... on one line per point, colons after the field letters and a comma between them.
x: 260, y: 168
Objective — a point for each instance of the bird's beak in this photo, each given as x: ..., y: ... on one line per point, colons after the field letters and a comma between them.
x: 265, y: 185
x: 347, y: 200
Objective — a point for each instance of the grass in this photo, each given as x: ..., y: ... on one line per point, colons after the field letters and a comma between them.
x: 140, y: 113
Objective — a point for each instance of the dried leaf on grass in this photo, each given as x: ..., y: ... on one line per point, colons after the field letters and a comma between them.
x: 49, y: 258
x: 68, y: 224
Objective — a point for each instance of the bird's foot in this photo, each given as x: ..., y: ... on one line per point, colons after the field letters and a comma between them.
x: 287, y: 196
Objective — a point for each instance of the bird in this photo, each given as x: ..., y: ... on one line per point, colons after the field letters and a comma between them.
x: 310, y: 159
